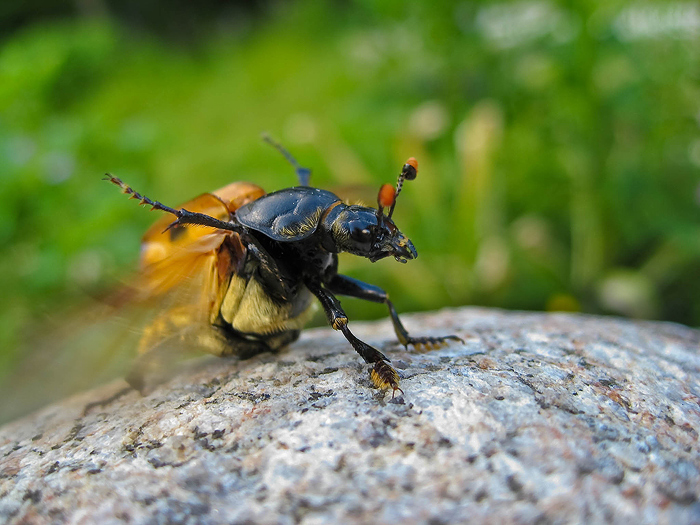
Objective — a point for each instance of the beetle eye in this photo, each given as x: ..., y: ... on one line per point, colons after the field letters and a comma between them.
x: 361, y: 238
x: 361, y: 235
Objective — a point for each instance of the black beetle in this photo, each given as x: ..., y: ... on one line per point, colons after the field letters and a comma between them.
x: 269, y: 255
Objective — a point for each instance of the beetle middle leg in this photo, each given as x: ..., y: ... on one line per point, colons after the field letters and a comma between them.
x: 383, y: 374
x: 344, y: 285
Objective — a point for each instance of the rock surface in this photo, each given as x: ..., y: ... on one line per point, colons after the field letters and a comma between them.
x: 537, y: 418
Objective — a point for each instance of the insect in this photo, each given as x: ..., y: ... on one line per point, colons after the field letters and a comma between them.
x: 260, y: 259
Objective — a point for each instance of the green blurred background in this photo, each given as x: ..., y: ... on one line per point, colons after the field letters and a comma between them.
x: 559, y: 142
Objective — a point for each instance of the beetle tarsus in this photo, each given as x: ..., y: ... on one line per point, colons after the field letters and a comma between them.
x: 430, y: 343
x: 384, y: 377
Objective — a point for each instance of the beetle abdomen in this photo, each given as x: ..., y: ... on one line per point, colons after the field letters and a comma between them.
x: 249, y: 309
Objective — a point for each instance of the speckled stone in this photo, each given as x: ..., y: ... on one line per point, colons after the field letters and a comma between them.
x: 536, y: 418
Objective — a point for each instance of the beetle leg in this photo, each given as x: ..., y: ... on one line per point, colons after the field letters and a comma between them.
x: 303, y: 174
x: 344, y: 285
x: 269, y: 269
x: 201, y: 219
x: 183, y: 216
x: 383, y: 374
x: 270, y: 273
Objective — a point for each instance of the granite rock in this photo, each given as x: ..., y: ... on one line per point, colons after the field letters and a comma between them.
x: 536, y: 418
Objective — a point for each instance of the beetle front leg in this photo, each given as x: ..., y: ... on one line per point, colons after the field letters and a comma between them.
x: 344, y: 285
x: 383, y: 374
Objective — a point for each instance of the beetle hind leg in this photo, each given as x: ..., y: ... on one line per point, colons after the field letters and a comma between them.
x: 303, y: 174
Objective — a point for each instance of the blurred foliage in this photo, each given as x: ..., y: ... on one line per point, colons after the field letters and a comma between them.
x: 177, y: 19
x: 559, y: 146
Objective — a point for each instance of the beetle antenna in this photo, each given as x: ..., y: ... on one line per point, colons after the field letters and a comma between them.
x: 183, y: 216
x: 303, y: 174
x: 408, y: 172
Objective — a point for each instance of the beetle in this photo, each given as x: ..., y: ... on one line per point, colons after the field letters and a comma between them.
x: 258, y: 261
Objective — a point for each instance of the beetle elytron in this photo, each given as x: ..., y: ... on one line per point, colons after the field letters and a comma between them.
x: 258, y: 260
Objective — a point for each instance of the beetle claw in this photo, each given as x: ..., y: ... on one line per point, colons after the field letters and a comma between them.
x: 384, y: 377
x: 172, y: 225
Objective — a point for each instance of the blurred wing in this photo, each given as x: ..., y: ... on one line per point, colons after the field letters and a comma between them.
x: 168, y: 257
x: 187, y: 269
x: 181, y: 265
x: 68, y: 351
x: 166, y: 310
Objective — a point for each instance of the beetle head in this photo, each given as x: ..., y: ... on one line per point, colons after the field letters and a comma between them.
x: 360, y: 231
x: 370, y: 232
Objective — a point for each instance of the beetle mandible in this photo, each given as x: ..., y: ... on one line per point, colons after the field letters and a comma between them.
x: 266, y: 256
